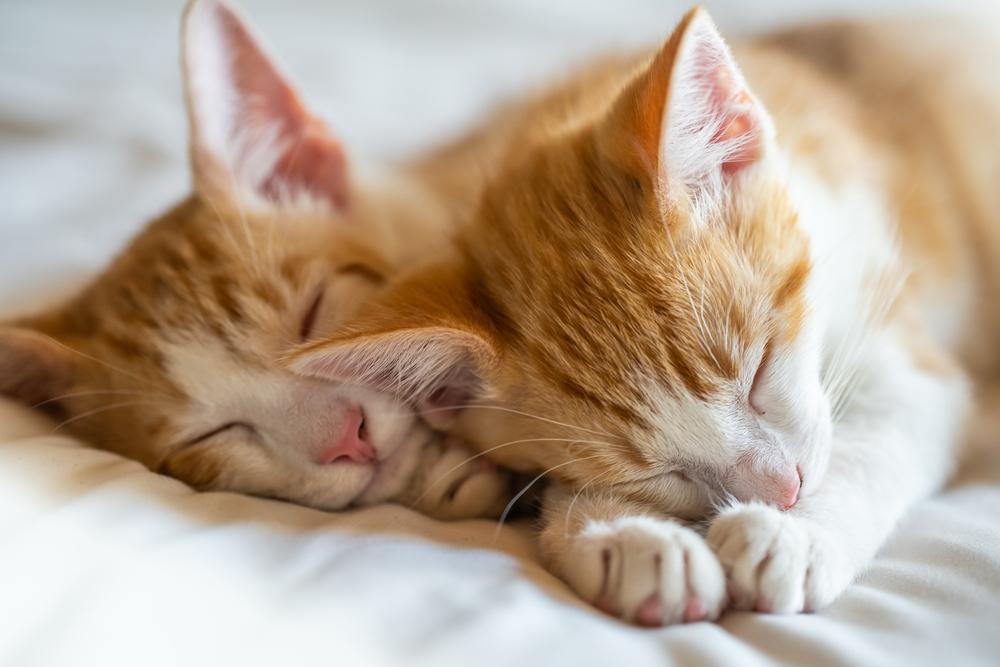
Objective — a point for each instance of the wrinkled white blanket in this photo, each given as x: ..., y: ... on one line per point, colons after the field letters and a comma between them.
x: 102, y: 562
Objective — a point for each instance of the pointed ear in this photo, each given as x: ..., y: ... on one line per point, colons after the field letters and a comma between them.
x: 34, y: 369
x: 421, y: 341
x: 437, y: 367
x: 691, y: 115
x: 252, y: 139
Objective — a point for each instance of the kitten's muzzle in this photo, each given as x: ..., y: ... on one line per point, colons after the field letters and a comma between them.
x: 778, y: 486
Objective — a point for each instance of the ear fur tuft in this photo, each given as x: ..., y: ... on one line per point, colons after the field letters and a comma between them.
x: 692, y: 115
x: 413, y: 363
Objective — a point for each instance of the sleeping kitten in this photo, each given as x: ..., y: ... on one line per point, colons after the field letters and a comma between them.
x: 171, y: 356
x: 685, y: 308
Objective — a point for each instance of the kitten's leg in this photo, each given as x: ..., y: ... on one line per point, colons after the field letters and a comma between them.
x: 627, y: 561
x: 894, y: 446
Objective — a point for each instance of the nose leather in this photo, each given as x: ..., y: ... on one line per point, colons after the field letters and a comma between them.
x: 777, y: 486
x: 785, y: 485
x: 348, y: 442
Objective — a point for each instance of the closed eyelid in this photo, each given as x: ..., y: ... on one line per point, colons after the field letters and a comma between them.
x: 216, y: 431
x: 363, y: 271
x: 309, y: 319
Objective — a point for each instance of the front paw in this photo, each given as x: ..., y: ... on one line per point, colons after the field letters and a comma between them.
x: 459, y: 484
x: 644, y: 570
x: 776, y: 562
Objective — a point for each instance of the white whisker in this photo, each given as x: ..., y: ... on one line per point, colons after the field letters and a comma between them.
x: 576, y: 496
x: 99, y: 361
x: 510, y: 505
x: 703, y: 337
x: 90, y: 413
x: 99, y: 392
x: 517, y: 412
x: 502, y: 445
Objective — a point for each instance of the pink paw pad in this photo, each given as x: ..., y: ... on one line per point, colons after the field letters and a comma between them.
x: 607, y: 605
x: 694, y: 611
x: 650, y: 612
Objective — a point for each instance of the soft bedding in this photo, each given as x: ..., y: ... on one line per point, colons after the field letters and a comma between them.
x: 103, y: 562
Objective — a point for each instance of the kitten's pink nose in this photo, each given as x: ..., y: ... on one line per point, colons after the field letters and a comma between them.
x: 777, y: 486
x: 787, y: 483
x: 350, y: 443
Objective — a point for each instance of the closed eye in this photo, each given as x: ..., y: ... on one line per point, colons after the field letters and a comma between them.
x: 363, y: 271
x: 218, y: 431
x: 756, y: 389
x: 309, y: 320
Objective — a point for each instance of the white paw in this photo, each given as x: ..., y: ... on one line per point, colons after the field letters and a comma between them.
x: 776, y: 562
x: 644, y: 570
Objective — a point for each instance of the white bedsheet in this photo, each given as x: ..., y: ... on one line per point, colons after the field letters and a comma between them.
x: 102, y: 562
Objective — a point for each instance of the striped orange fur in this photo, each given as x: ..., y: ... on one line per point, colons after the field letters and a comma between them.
x: 172, y: 356
x: 680, y: 300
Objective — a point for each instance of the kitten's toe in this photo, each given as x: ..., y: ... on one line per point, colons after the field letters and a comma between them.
x: 646, y: 571
x: 775, y: 562
x: 460, y: 484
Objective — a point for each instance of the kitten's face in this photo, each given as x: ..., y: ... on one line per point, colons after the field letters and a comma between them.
x: 684, y: 347
x: 184, y: 337
x: 174, y: 355
x: 632, y: 303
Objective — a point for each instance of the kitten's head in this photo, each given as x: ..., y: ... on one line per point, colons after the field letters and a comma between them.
x: 632, y: 301
x: 172, y: 356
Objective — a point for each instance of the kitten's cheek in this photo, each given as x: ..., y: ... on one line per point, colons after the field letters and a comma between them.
x: 816, y: 459
x: 813, y: 470
x: 814, y: 464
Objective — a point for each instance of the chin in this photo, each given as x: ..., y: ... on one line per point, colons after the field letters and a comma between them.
x: 330, y: 488
x: 323, y: 501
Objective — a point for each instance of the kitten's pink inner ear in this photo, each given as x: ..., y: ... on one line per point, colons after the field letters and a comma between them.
x: 248, y: 121
x: 423, y: 366
x: 694, y: 113
x: 731, y: 108
x: 316, y: 164
x: 712, y: 125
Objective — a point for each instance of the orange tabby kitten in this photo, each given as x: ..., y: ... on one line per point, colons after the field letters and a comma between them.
x: 171, y: 355
x: 687, y: 294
